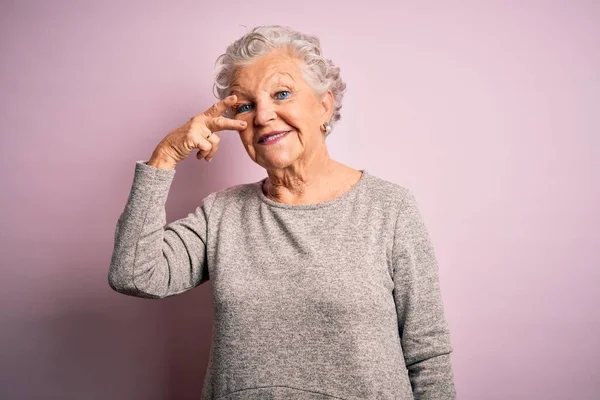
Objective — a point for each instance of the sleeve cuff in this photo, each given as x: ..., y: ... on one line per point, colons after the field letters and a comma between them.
x: 154, y: 173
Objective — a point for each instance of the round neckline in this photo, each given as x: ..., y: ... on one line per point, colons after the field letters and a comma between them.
x: 258, y: 188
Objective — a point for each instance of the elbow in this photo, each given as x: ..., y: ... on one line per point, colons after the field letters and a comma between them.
x: 119, y: 283
x: 127, y: 286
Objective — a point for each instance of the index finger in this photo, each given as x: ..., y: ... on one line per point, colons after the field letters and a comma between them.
x: 219, y: 108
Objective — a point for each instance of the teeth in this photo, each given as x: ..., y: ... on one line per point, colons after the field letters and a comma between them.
x: 268, y: 139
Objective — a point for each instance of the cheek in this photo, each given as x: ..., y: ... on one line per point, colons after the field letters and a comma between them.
x: 246, y: 137
x: 296, y: 116
x: 249, y: 120
x: 301, y: 113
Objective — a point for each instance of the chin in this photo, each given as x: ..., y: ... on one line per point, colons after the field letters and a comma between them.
x: 280, y: 162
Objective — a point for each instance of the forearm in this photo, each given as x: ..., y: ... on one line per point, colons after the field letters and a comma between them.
x: 427, y: 348
x: 159, y: 161
x: 432, y: 378
x: 139, y: 235
x: 152, y: 259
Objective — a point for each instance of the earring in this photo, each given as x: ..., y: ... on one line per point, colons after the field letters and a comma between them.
x: 326, y: 128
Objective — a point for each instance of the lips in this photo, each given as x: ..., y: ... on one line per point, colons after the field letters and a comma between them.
x: 271, y: 136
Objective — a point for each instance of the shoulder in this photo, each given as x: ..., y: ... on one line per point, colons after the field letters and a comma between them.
x: 379, y: 190
x: 234, y: 195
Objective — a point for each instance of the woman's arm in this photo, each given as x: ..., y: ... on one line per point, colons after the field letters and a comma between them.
x: 424, y: 333
x: 151, y: 259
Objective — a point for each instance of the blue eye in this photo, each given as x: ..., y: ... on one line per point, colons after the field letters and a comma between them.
x: 282, y: 95
x: 242, y: 108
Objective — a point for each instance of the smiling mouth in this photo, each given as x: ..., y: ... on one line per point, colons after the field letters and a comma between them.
x: 273, y: 137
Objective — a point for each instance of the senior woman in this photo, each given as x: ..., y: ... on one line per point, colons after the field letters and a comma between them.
x: 324, y: 279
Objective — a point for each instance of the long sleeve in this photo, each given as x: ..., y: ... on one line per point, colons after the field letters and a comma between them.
x: 424, y: 333
x: 151, y: 259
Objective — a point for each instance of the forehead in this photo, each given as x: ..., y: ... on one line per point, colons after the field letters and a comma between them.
x: 272, y: 68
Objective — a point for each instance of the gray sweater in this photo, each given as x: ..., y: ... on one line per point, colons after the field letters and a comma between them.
x: 336, y: 300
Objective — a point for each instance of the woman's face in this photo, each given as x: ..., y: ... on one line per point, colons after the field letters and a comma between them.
x: 283, y: 113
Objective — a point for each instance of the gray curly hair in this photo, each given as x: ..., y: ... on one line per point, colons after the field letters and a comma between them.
x: 320, y: 73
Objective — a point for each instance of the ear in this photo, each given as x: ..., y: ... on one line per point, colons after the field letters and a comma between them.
x: 328, y: 103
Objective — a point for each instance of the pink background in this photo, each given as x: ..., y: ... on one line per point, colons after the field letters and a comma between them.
x: 488, y: 111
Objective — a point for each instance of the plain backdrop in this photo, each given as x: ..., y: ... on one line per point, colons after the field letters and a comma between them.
x: 487, y: 110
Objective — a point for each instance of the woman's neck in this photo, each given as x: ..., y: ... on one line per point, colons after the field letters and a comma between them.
x: 319, y: 180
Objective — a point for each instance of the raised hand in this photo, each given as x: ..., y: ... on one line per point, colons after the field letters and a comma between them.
x: 197, y: 133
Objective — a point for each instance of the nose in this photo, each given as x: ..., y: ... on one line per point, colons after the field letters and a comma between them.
x: 264, y: 113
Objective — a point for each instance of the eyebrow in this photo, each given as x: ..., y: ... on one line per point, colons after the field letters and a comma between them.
x: 240, y: 90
